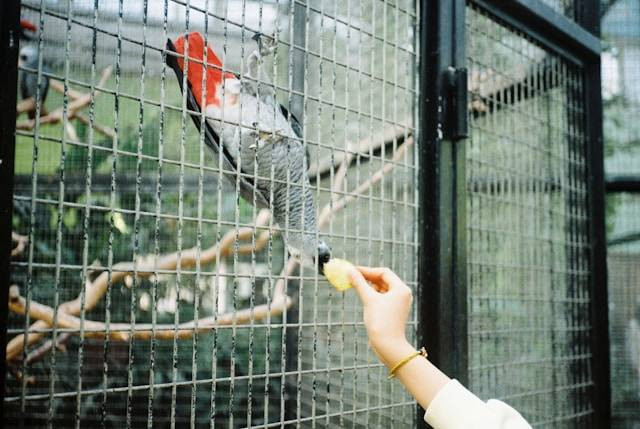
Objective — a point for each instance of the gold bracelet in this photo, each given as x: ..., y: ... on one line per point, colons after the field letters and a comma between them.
x: 421, y: 352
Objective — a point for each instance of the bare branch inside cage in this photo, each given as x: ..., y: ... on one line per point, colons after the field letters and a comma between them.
x: 148, y: 265
x: 143, y: 331
x: 78, y: 101
x: 95, y: 290
x: 19, y: 244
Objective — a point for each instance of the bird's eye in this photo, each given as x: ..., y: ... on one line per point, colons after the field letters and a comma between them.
x: 23, y: 57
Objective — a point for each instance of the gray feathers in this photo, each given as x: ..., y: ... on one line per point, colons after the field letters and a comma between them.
x: 29, y: 79
x: 260, y: 148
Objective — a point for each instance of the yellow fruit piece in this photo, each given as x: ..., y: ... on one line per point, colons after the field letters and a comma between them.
x: 337, y: 272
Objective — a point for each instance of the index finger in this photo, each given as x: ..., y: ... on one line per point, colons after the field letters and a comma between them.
x: 364, y: 290
x: 381, y: 275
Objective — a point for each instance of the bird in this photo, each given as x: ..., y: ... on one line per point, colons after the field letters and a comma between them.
x: 26, y: 28
x: 255, y: 136
x: 28, y: 58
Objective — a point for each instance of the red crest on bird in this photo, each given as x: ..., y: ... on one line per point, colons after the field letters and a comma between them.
x: 195, y: 45
x: 28, y: 25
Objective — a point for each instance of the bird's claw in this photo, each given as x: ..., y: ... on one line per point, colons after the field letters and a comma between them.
x: 266, y: 44
x: 266, y: 137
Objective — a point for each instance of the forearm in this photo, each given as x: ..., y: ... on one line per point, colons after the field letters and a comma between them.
x: 421, y: 378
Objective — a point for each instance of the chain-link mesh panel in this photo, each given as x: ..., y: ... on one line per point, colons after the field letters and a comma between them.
x: 528, y: 243
x: 191, y: 313
x: 621, y: 100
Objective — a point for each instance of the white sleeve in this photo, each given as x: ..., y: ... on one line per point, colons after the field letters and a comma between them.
x: 454, y: 407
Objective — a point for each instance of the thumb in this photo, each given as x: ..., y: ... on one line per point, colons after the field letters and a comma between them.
x: 364, y: 290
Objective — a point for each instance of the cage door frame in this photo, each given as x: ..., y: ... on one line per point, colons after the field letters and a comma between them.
x: 9, y: 46
x: 442, y: 299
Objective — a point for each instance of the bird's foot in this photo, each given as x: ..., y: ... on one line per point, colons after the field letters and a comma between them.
x: 265, y: 137
x: 266, y: 44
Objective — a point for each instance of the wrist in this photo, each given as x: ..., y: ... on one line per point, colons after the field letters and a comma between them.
x: 393, y: 351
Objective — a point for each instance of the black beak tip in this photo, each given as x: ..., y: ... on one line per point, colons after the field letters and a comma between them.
x: 323, y: 259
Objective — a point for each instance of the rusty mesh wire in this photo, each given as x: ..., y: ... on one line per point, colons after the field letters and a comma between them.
x: 126, y: 179
x: 621, y: 100
x: 528, y: 243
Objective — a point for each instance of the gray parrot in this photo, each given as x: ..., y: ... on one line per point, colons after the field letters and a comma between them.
x: 29, y: 80
x: 258, y: 138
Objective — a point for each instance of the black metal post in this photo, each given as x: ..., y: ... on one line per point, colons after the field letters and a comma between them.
x: 550, y: 28
x: 442, y: 295
x: 599, y: 290
x: 299, y: 60
x: 623, y: 183
x: 9, y: 46
x: 596, y: 184
x: 296, y: 107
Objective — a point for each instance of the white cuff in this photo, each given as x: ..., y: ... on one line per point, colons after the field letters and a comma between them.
x: 454, y: 407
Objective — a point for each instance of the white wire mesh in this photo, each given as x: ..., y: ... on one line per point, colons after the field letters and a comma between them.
x: 133, y: 181
x: 528, y: 235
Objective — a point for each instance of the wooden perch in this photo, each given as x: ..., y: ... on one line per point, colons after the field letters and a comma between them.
x: 109, y: 132
x: 144, y: 331
x: 20, y: 242
x: 340, y: 203
x: 95, y: 290
x: 364, y: 148
x: 58, y: 86
x: 78, y: 101
x: 44, y: 348
x: 146, y: 266
x: 26, y: 105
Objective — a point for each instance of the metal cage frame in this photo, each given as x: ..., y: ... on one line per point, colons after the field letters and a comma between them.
x: 442, y: 174
x: 9, y: 35
x: 443, y: 258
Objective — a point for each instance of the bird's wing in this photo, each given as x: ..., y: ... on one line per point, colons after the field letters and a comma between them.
x: 297, y: 129
x: 248, y: 190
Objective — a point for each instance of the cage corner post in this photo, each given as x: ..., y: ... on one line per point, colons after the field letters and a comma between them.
x: 9, y: 39
x: 442, y: 296
x: 296, y: 107
x: 597, y: 226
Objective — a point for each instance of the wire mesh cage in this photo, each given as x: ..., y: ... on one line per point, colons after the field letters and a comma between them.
x: 184, y: 167
x: 527, y: 225
x: 572, y: 9
x: 150, y: 292
x: 621, y: 101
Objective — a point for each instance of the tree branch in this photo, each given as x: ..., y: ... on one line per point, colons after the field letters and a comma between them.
x: 20, y: 244
x: 146, y: 266
x: 364, y: 148
x: 95, y: 290
x: 144, y: 331
x: 79, y: 100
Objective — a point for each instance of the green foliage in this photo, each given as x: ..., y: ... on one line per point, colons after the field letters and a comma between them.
x: 110, y: 230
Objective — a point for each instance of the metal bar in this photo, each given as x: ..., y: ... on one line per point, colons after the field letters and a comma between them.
x: 552, y: 29
x: 59, y: 228
x: 624, y: 239
x: 601, y: 398
x: 296, y: 97
x: 156, y: 229
x: 87, y: 213
x: 622, y: 183
x: 9, y: 46
x: 442, y: 324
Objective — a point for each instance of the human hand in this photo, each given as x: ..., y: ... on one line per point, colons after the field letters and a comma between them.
x: 387, y: 302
